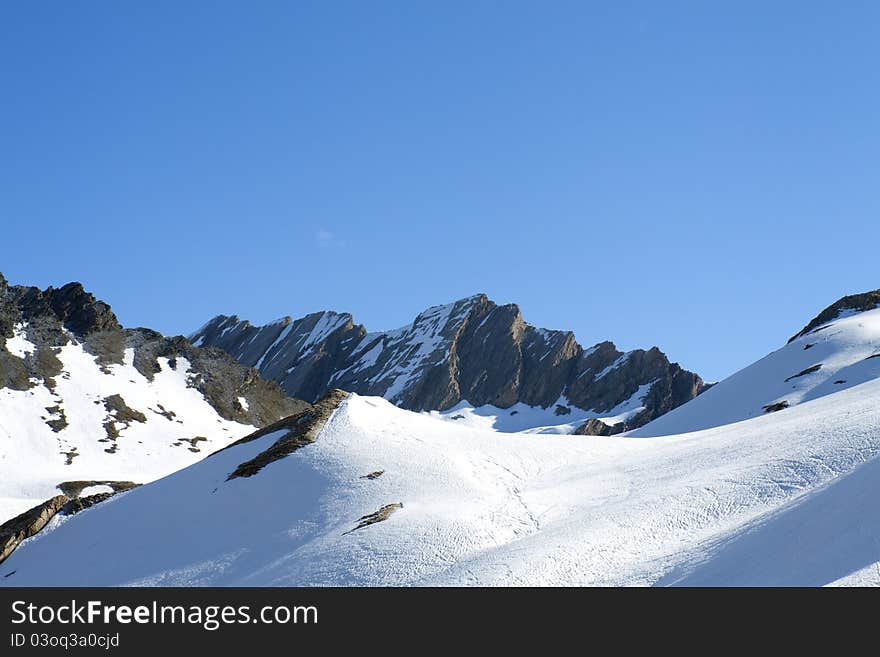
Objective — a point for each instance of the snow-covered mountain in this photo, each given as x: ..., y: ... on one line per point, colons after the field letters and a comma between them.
x: 470, y: 358
x: 87, y: 407
x: 382, y: 496
x: 838, y: 349
x: 355, y: 490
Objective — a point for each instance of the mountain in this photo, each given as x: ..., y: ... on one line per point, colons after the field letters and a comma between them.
x: 472, y: 358
x: 360, y: 492
x: 354, y: 490
x: 88, y: 407
x: 838, y: 349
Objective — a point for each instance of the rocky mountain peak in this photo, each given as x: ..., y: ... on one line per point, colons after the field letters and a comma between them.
x: 470, y: 350
x: 77, y: 310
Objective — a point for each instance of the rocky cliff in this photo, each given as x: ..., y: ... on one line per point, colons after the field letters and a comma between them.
x: 472, y: 349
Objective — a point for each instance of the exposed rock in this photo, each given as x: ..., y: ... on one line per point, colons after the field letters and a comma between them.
x: 77, y: 310
x: 778, y: 406
x: 161, y: 410
x: 220, y: 378
x: 297, y: 431
x: 193, y: 443
x: 809, y: 370
x: 52, y: 318
x: 373, y: 475
x: 32, y: 521
x: 72, y: 489
x: 595, y: 427
x: 472, y: 350
x: 854, y: 302
x: 83, y: 503
x: 124, y: 414
x: 377, y: 516
x: 57, y: 419
x: 27, y: 524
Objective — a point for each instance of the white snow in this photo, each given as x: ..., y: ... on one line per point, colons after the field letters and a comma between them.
x: 95, y: 490
x: 244, y: 404
x: 18, y: 345
x: 843, y: 349
x: 783, y: 498
x: 32, y: 462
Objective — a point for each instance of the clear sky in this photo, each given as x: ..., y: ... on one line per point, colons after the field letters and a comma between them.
x: 702, y: 176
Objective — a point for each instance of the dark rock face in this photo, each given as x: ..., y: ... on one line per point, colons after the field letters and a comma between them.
x: 82, y: 503
x: 854, y: 302
x: 21, y: 527
x: 472, y: 350
x: 71, y: 305
x: 594, y: 427
x: 53, y: 318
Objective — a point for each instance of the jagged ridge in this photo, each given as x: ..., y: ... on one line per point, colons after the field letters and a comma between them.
x: 472, y: 349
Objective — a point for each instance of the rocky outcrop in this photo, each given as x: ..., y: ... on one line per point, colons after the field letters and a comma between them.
x: 377, y: 516
x: 853, y: 303
x: 27, y: 524
x: 596, y: 427
x: 52, y: 318
x: 292, y: 432
x: 32, y: 521
x: 472, y: 349
x: 73, y: 489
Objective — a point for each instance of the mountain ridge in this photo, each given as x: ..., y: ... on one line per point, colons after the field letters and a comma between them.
x: 472, y: 349
x: 84, y: 399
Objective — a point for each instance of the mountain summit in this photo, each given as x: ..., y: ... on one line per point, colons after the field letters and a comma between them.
x: 472, y: 350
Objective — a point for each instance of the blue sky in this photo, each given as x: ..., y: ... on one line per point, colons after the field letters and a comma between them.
x: 702, y: 176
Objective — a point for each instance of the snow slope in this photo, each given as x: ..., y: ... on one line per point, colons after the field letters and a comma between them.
x: 724, y: 505
x: 34, y: 458
x: 522, y: 418
x: 845, y: 351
